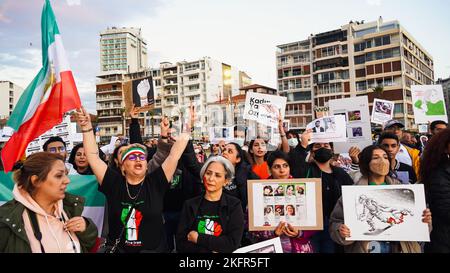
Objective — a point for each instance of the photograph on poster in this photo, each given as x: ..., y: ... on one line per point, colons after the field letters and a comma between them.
x: 357, y: 132
x: 385, y: 213
x: 268, y: 246
x: 295, y: 201
x: 328, y: 129
x: 360, y: 103
x: 354, y: 115
x: 382, y: 111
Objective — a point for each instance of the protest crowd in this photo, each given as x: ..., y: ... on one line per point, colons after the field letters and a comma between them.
x: 175, y: 194
x: 161, y: 196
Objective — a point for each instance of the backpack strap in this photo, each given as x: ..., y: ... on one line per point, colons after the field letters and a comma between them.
x: 35, y: 226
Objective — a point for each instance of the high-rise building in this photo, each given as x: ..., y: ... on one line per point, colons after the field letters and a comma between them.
x: 351, y: 61
x: 198, y: 82
x: 122, y: 49
x: 446, y: 90
x: 9, y: 96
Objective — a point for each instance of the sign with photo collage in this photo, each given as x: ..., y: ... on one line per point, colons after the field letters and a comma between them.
x: 294, y: 201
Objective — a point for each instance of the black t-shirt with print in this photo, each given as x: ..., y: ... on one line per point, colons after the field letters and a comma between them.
x: 145, y: 226
x: 207, y: 219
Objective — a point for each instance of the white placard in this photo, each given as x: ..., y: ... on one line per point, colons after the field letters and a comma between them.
x: 428, y: 103
x: 356, y: 112
x: 385, y: 213
x: 268, y: 246
x: 423, y: 128
x: 328, y: 129
x: 217, y: 134
x: 382, y: 111
x: 264, y: 108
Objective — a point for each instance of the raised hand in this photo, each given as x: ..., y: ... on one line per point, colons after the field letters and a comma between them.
x: 344, y: 231
x: 165, y: 126
x: 134, y: 113
x: 83, y: 118
x: 142, y: 89
x: 354, y: 154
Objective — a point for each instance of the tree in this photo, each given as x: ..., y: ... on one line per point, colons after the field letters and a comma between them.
x: 378, y: 92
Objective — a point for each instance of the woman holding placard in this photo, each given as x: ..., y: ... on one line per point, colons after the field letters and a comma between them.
x: 374, y: 164
x: 292, y: 239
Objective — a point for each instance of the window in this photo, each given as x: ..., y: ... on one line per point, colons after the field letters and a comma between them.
x: 361, y: 86
x: 11, y: 93
x: 360, y: 73
x: 360, y: 59
x: 378, y: 41
x: 11, y: 85
x: 386, y: 40
x: 398, y: 108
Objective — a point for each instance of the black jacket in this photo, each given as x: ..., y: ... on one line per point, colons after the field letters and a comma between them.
x: 438, y: 195
x: 232, y: 221
x: 331, y: 189
x: 242, y: 173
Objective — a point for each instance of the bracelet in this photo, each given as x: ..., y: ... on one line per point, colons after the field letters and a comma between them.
x: 88, y: 130
x: 164, y: 137
x: 282, y: 135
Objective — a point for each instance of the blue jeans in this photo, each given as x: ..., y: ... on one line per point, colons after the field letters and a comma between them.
x: 321, y: 241
x: 171, y: 219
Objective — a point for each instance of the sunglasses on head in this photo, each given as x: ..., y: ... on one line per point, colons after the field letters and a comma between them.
x: 134, y: 157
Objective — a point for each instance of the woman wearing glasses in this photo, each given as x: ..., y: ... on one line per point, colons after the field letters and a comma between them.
x: 134, y: 196
x: 292, y: 239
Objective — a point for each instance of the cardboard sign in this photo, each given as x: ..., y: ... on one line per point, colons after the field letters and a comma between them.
x: 264, y: 108
x: 356, y: 112
x: 139, y: 92
x: 294, y: 201
x: 428, y: 103
x: 382, y: 111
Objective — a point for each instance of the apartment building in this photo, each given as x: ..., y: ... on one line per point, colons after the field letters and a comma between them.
x: 446, y: 89
x: 199, y: 82
x: 354, y: 59
x: 9, y: 94
x: 122, y: 49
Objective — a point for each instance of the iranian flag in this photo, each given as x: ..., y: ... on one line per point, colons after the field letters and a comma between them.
x: 44, y: 102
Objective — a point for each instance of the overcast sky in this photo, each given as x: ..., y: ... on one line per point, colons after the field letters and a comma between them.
x: 242, y: 33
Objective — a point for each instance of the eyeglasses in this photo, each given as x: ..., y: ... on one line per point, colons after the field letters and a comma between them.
x: 57, y: 149
x: 279, y: 166
x: 134, y: 157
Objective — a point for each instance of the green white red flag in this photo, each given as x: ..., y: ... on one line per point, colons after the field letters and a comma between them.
x: 51, y: 94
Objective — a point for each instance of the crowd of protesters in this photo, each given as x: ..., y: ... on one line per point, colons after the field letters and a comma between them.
x: 172, y: 195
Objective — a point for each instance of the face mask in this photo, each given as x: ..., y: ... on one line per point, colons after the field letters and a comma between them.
x: 293, y: 142
x: 323, y: 155
x: 197, y: 151
x: 379, y: 167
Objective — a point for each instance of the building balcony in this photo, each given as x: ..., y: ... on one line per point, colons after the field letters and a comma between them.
x: 170, y: 83
x: 291, y: 49
x: 104, y: 91
x: 108, y: 98
x: 99, y: 107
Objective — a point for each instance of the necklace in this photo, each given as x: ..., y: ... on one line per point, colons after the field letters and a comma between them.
x: 139, y: 191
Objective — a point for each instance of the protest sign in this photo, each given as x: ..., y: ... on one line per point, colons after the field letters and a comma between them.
x: 328, y: 129
x: 382, y: 111
x: 428, y: 103
x: 264, y: 109
x: 294, y: 201
x: 356, y: 112
x: 385, y: 213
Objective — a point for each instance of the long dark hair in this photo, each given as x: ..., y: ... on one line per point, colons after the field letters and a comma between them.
x: 366, y: 156
x: 71, y: 160
x: 434, y: 155
x: 114, y: 155
x: 241, y: 155
x: 250, y: 150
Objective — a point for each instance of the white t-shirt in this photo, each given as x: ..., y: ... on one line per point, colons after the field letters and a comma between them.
x: 403, y: 155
